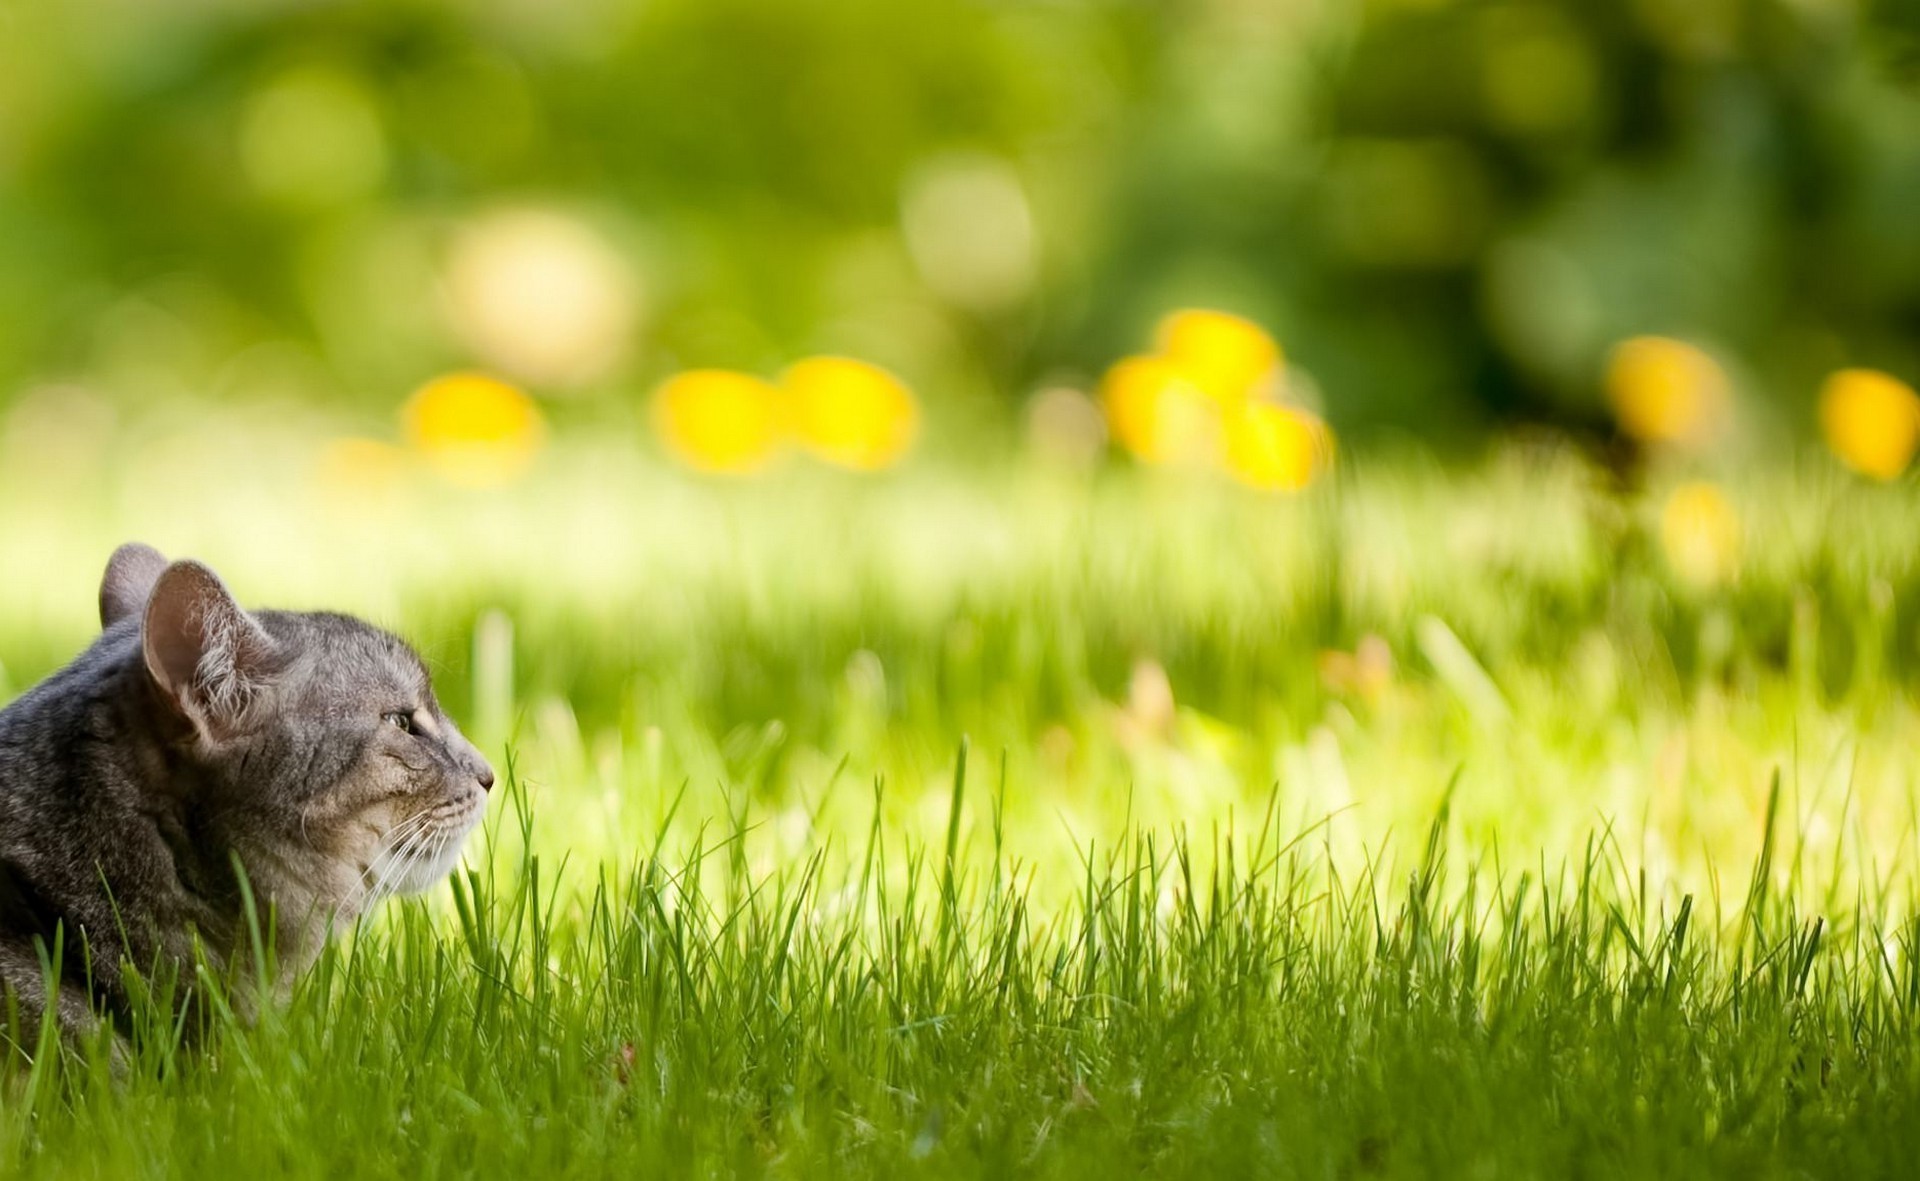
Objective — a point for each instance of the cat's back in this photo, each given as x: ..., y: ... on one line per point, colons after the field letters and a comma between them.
x: 57, y: 756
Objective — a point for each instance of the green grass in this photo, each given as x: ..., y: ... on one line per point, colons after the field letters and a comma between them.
x: 1012, y: 824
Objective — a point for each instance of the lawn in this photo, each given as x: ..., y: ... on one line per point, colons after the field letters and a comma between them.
x: 1444, y: 820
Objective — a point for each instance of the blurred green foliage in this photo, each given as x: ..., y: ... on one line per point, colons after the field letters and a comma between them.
x: 1445, y: 211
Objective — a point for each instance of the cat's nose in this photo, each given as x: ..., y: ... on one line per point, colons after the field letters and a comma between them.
x: 484, y: 777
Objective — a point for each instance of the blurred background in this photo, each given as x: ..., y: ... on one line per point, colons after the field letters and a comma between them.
x: 1192, y: 396
x: 1447, y: 214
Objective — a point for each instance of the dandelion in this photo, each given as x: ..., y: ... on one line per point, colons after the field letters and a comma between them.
x: 850, y: 413
x: 1277, y: 448
x: 1701, y: 534
x: 1227, y: 357
x: 473, y: 430
x: 718, y: 420
x: 1667, y: 391
x: 1871, y: 421
x: 1158, y: 415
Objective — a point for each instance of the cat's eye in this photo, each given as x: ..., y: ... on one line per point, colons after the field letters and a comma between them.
x: 400, y: 720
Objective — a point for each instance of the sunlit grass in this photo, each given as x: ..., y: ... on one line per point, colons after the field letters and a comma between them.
x: 1210, y: 1004
x: 1430, y: 821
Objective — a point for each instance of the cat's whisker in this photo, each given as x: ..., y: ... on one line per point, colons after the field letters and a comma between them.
x: 390, y: 846
x: 403, y: 865
x: 422, y: 853
x: 397, y: 859
x: 424, y: 847
x: 371, y: 892
x: 375, y: 874
x: 379, y: 891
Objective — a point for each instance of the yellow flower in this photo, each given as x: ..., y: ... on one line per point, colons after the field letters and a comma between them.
x: 1666, y: 391
x: 1160, y: 416
x: 1871, y: 420
x: 850, y: 413
x: 1701, y: 534
x: 474, y: 430
x: 1229, y: 358
x: 717, y: 420
x: 1277, y: 448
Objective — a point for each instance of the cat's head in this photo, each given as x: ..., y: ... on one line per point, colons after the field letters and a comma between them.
x: 315, y: 737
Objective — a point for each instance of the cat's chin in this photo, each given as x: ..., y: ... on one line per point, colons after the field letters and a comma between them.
x: 424, y: 873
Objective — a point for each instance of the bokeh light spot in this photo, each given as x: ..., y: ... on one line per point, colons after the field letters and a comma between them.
x: 540, y: 295
x: 970, y: 231
x: 1537, y: 76
x: 1064, y: 426
x: 312, y: 137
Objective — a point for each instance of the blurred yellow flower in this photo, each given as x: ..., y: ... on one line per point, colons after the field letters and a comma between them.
x: 850, y: 413
x: 1667, y: 391
x: 1701, y: 534
x: 718, y: 420
x: 1277, y: 448
x: 474, y: 430
x: 1228, y: 357
x: 1159, y: 415
x: 1192, y: 400
x: 1871, y: 420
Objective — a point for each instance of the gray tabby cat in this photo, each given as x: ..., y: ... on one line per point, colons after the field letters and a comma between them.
x: 308, y: 747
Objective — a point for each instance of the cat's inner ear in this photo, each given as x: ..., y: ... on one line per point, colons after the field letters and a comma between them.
x: 202, y: 649
x: 128, y: 582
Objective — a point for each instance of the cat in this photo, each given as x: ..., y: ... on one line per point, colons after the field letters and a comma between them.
x: 194, y: 752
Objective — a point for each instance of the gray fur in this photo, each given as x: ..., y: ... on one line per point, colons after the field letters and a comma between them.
x: 131, y: 573
x: 193, y: 733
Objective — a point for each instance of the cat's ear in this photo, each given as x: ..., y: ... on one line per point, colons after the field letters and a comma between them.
x: 202, y: 649
x: 128, y: 582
